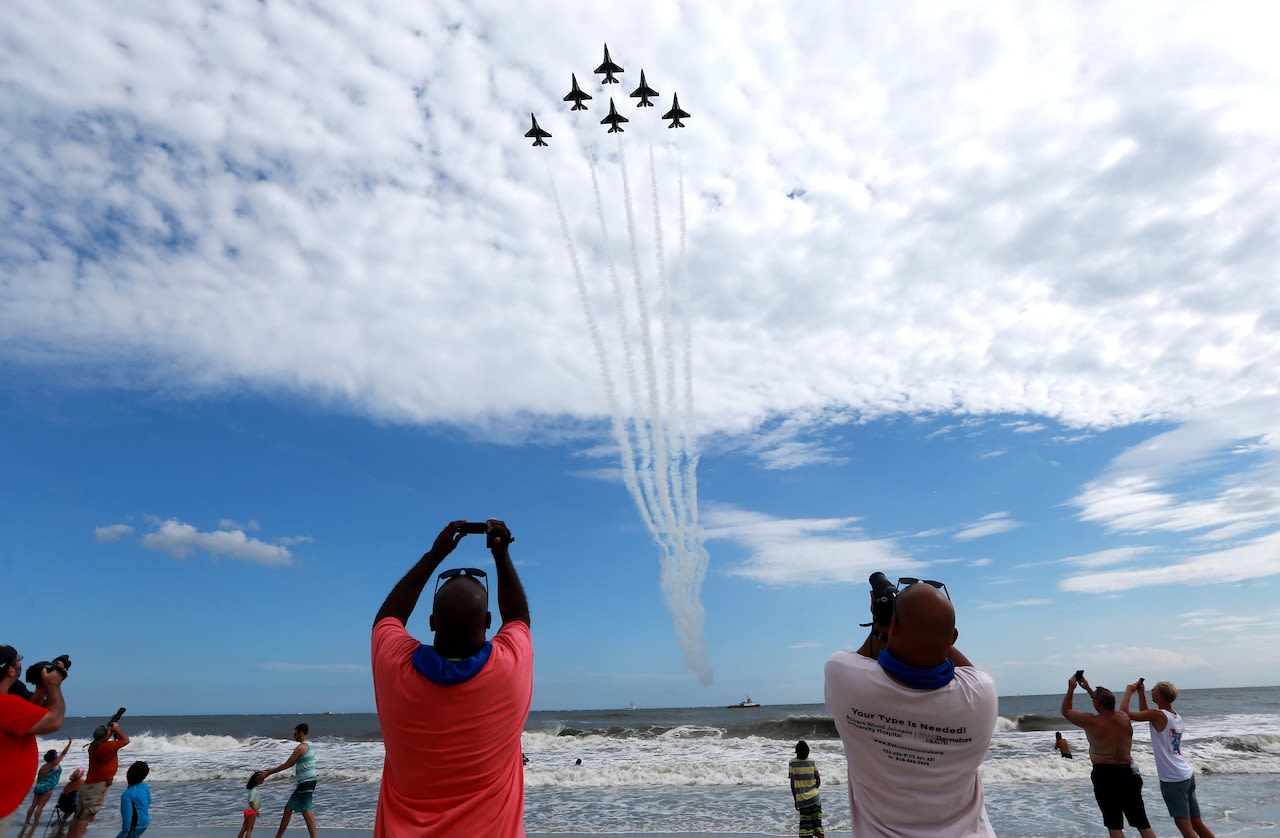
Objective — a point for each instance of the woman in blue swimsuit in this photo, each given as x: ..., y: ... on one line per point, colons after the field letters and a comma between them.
x: 46, y: 781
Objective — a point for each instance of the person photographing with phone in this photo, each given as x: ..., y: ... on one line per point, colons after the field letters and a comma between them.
x: 915, y: 717
x: 1177, y: 778
x: 452, y: 711
x: 1117, y: 785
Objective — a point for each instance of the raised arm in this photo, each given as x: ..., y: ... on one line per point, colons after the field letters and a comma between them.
x: 513, y: 605
x: 53, y: 702
x: 1076, y: 717
x: 1143, y: 713
x: 404, y: 596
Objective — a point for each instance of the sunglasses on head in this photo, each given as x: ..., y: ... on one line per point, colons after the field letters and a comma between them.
x: 473, y: 572
x: 907, y: 581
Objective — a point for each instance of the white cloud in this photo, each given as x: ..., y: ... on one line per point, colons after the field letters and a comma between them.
x: 114, y: 532
x: 1252, y: 560
x: 1099, y: 558
x: 1018, y: 603
x: 806, y: 644
x: 290, y: 540
x: 229, y: 524
x: 962, y: 192
x: 1215, y: 478
x: 803, y: 551
x: 992, y: 454
x: 993, y: 524
x: 179, y: 540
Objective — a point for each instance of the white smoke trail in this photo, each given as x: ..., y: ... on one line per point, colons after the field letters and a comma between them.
x: 672, y: 466
x: 688, y: 432
x: 683, y: 568
x: 646, y: 499
x: 646, y: 342
x: 627, y: 456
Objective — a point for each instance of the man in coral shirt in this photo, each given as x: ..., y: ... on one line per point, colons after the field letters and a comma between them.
x: 20, y: 722
x: 452, y: 712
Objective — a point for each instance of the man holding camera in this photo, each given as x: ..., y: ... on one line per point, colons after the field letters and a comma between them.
x: 21, y: 721
x: 915, y: 717
x: 104, y: 762
x: 1117, y: 786
x: 452, y: 712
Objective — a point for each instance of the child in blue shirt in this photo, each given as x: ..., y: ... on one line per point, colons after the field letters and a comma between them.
x: 135, y: 803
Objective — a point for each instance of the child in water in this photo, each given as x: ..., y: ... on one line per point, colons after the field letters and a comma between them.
x: 255, y: 805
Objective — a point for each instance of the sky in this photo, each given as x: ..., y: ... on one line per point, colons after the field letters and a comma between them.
x: 981, y: 293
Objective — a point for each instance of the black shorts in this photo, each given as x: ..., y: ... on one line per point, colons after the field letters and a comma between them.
x: 1118, y: 790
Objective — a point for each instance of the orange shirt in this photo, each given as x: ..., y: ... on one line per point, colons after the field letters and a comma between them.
x: 453, y: 764
x: 19, y: 754
x: 104, y: 761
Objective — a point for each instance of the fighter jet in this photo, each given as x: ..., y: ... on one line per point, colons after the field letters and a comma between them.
x: 576, y: 95
x: 643, y: 92
x: 613, y: 119
x: 675, y: 114
x: 608, y: 68
x: 536, y: 133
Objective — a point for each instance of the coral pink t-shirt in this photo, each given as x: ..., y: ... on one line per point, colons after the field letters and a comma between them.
x: 19, y: 754
x: 453, y: 763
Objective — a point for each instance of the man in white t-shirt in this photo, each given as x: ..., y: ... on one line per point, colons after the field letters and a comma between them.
x: 1177, y: 779
x: 916, y: 719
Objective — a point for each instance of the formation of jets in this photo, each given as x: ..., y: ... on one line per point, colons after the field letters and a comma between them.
x: 614, y: 120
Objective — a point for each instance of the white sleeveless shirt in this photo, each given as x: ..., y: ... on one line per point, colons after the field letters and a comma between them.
x: 1166, y: 745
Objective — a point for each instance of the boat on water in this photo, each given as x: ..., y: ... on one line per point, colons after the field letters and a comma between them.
x: 746, y: 702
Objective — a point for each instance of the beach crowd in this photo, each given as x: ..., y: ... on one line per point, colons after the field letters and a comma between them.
x: 915, y: 717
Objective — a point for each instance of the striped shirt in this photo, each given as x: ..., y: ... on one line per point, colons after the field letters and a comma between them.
x: 803, y: 774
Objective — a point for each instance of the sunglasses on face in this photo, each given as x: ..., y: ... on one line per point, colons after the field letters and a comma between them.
x: 472, y: 572
x: 906, y: 581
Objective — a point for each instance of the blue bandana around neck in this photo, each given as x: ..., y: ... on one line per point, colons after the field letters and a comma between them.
x: 449, y: 671
x: 919, y: 679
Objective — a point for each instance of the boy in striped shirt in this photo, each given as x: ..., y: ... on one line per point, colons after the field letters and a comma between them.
x: 805, y: 780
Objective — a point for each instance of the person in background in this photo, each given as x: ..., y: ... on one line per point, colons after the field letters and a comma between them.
x: 452, y: 712
x: 70, y: 795
x: 1117, y: 786
x: 1177, y: 778
x: 21, y: 721
x: 253, y: 807
x: 104, y: 762
x: 802, y: 772
x: 1064, y: 747
x: 47, y: 780
x: 135, y: 803
x: 303, y: 761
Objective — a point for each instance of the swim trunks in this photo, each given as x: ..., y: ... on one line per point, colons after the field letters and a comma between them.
x: 1118, y: 790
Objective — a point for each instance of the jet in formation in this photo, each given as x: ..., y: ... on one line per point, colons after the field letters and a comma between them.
x: 608, y: 68
x: 576, y: 95
x: 537, y: 133
x: 643, y: 92
x: 675, y: 114
x: 614, y: 118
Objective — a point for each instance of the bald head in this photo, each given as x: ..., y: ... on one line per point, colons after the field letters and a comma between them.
x: 460, y: 616
x: 924, y: 626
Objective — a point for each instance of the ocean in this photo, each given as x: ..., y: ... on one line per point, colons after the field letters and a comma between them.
x: 700, y: 769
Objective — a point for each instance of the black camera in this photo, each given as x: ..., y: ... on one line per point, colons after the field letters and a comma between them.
x: 35, y: 672
x: 1079, y: 676
x: 482, y: 528
x: 883, y: 596
x: 115, y: 717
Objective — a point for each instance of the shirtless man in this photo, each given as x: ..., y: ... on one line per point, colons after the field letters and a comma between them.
x: 1116, y: 785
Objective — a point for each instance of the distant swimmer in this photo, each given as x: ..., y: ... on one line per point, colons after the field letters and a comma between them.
x: 1063, y: 746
